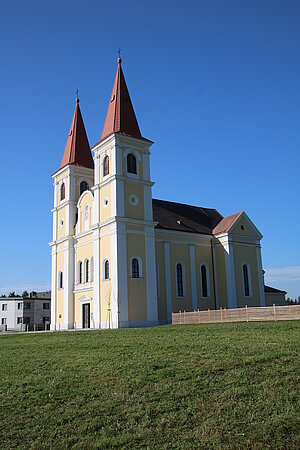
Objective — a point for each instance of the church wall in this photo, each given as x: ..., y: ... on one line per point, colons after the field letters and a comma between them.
x: 221, y: 276
x: 246, y: 254
x: 277, y: 299
x: 105, y: 210
x: 60, y: 229
x: 60, y: 292
x: 203, y: 256
x: 161, y: 281
x: 134, y: 211
x: 243, y: 229
x: 137, y: 287
x: 106, y: 294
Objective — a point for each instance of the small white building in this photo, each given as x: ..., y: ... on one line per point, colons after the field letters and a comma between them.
x: 29, y: 313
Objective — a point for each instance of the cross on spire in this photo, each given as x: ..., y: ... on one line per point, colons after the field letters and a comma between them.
x: 119, y: 53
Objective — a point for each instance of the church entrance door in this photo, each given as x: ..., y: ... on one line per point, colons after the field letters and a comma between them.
x: 86, y: 309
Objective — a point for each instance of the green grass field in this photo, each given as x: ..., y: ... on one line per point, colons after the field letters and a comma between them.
x: 190, y: 386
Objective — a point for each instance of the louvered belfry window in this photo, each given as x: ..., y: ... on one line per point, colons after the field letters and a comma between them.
x: 179, y: 280
x: 106, y: 270
x: 131, y: 163
x: 63, y: 191
x: 106, y: 166
x: 83, y: 187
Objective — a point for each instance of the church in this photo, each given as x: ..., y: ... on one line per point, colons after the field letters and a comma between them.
x: 123, y: 259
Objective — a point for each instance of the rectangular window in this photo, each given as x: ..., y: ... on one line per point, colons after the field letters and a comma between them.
x: 3, y: 321
x: 4, y: 307
x: 46, y: 306
x: 19, y: 320
x: 26, y: 320
x: 27, y: 305
x: 20, y: 305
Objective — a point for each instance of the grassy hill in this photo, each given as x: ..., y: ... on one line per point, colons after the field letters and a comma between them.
x: 193, y: 386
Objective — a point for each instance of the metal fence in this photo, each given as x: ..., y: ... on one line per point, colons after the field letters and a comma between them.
x: 247, y: 314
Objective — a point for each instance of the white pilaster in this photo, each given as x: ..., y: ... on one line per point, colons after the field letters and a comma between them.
x: 214, y: 278
x: 260, y: 277
x: 96, y: 309
x: 168, y: 280
x: 230, y: 274
x: 148, y: 209
x: 152, y: 313
x: 53, y: 288
x: 68, y: 284
x: 114, y: 293
x: 193, y: 276
x: 122, y: 275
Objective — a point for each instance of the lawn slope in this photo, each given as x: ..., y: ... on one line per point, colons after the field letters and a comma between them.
x: 190, y: 386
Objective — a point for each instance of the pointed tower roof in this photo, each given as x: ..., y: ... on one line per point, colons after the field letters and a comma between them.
x: 120, y: 117
x: 77, y: 149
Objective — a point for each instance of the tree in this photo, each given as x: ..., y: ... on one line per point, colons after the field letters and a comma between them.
x: 12, y: 294
x: 25, y: 294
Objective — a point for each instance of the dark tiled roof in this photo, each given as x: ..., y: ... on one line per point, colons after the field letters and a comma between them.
x: 186, y: 218
x: 271, y: 290
x: 120, y: 117
x: 77, y: 150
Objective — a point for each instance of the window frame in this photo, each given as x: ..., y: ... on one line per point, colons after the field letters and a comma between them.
x: 86, y: 271
x: 60, y: 280
x: 183, y: 280
x: 62, y: 191
x: 207, y: 281
x: 249, y: 280
x: 105, y: 163
x: 140, y: 268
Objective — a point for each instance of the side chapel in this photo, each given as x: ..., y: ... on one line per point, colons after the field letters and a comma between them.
x: 123, y: 259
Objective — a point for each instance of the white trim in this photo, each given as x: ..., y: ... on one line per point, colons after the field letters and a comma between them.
x: 183, y: 279
x: 122, y: 273
x: 148, y: 207
x: 207, y: 280
x: 168, y: 280
x: 193, y: 276
x: 260, y: 277
x: 215, y: 277
x: 157, y: 280
x: 152, y: 314
x: 230, y: 275
x: 53, y: 290
x: 96, y: 282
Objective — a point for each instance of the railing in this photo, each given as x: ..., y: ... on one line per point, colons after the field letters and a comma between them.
x: 252, y: 314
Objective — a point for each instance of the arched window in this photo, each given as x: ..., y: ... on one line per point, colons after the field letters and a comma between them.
x: 204, y: 284
x: 62, y: 191
x: 60, y: 280
x: 246, y: 280
x: 79, y: 276
x: 106, y: 270
x: 106, y: 166
x: 86, y: 217
x: 92, y: 268
x: 86, y: 270
x: 135, y: 268
x: 131, y: 163
x: 83, y: 187
x: 179, y: 280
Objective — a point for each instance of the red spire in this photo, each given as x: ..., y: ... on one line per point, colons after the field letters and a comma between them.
x: 120, y: 117
x: 77, y: 149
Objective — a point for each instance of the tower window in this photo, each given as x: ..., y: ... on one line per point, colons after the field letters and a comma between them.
x: 83, y: 187
x: 106, y: 270
x: 106, y: 166
x: 86, y: 270
x: 179, y: 279
x: 131, y: 163
x: 86, y: 217
x: 246, y: 280
x: 79, y: 277
x: 135, y: 269
x: 204, y: 284
x: 63, y: 192
x: 60, y: 281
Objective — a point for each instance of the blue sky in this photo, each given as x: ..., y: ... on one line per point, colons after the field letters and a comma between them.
x: 215, y: 83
